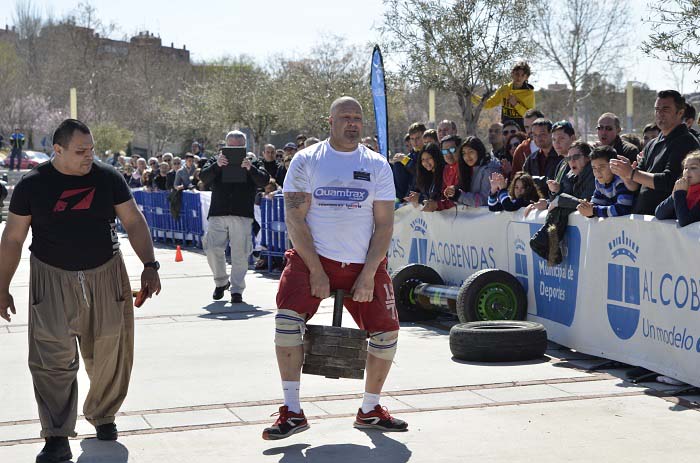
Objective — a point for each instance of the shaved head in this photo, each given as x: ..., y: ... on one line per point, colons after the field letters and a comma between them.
x: 344, y: 102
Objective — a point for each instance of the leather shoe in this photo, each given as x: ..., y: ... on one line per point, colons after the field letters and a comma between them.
x: 56, y: 450
x: 107, y: 431
x: 236, y: 298
x: 219, y: 291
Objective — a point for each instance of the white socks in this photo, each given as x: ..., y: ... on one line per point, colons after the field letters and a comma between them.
x: 291, y: 395
x: 291, y: 398
x: 369, y: 402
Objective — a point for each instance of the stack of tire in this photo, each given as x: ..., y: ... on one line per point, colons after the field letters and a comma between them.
x: 491, y: 306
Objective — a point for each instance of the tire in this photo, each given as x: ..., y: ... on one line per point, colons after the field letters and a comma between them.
x: 404, y: 281
x: 498, y: 341
x: 491, y: 294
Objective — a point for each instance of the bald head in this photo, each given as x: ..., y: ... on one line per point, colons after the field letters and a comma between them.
x: 346, y: 124
x: 345, y: 102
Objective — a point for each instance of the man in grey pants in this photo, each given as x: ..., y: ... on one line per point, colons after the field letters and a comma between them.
x: 78, y: 285
x: 231, y: 219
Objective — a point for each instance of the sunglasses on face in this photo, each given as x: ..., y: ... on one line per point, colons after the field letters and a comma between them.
x: 605, y: 127
x: 509, y: 132
x: 573, y: 157
x: 515, y: 145
x: 450, y: 150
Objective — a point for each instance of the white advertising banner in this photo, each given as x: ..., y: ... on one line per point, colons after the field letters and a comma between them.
x: 628, y: 288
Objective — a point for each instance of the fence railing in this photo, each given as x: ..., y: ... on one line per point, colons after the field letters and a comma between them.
x: 164, y: 227
x: 190, y: 225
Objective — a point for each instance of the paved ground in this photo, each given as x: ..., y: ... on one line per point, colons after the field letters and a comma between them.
x: 205, y: 383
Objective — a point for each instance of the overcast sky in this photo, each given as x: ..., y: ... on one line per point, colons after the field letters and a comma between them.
x: 266, y: 28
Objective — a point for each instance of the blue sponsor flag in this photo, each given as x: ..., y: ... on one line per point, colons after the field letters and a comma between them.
x: 378, y: 85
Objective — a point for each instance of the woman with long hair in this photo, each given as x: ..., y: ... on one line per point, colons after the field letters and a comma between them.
x: 428, y: 178
x: 475, y: 169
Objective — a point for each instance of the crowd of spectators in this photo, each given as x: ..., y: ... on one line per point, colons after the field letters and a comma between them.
x: 541, y: 165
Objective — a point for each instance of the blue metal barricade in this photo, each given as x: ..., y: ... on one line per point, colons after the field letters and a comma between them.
x: 273, y: 229
x: 155, y: 207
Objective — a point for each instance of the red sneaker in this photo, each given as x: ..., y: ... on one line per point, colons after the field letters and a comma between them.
x: 287, y: 423
x: 379, y: 418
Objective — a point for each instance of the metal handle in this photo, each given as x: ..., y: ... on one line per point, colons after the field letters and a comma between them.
x: 338, y: 307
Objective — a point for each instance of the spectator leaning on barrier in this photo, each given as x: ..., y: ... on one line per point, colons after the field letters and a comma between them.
x: 689, y: 119
x: 231, y: 219
x: 515, y: 97
x: 445, y: 128
x: 563, y: 136
x: 404, y: 165
x: 579, y: 186
x: 475, y: 167
x: 428, y: 179
x: 177, y: 164
x: 528, y: 146
x: 522, y: 192
x: 611, y: 197
x: 609, y: 134
x: 542, y: 164
x: 684, y: 202
x: 160, y: 177
x: 661, y: 163
x: 449, y: 147
x: 184, y: 178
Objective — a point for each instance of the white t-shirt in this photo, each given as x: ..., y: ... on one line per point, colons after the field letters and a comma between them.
x: 343, y: 188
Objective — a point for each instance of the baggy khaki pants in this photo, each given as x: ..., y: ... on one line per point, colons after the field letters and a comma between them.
x: 237, y: 232
x: 95, y: 307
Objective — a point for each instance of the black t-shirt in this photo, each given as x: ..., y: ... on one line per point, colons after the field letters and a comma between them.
x: 72, y: 216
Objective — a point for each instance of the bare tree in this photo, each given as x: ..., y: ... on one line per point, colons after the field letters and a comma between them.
x: 464, y: 47
x: 675, y: 32
x: 581, y: 37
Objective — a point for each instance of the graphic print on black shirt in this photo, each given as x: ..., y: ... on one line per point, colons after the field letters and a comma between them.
x: 78, y: 199
x: 73, y: 217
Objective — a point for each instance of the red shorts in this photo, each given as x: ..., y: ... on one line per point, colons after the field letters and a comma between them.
x: 294, y: 292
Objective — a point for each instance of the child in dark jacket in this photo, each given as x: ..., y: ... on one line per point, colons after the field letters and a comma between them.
x: 522, y: 192
x: 684, y: 202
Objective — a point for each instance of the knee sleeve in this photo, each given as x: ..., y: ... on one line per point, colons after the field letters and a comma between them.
x: 382, y: 344
x: 289, y: 328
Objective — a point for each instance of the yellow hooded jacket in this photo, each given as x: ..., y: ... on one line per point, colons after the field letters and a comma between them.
x: 525, y: 96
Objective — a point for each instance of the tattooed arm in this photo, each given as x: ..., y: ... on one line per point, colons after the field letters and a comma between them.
x: 296, y: 206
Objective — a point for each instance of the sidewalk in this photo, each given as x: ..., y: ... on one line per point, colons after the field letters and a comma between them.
x: 205, y: 382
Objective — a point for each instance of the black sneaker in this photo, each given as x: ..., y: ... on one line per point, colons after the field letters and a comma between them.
x: 287, y: 423
x: 236, y: 298
x: 107, y: 431
x: 219, y: 291
x: 379, y: 418
x: 56, y: 450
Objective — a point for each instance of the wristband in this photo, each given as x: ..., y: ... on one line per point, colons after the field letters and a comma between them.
x: 634, y: 170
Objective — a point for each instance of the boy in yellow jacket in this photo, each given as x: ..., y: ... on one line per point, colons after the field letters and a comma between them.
x: 515, y: 97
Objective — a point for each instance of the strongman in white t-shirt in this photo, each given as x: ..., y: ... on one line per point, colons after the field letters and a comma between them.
x: 339, y: 203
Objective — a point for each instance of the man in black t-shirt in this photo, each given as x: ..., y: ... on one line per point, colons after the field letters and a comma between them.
x: 78, y: 284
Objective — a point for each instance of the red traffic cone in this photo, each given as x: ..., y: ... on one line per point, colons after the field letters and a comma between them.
x: 178, y: 254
